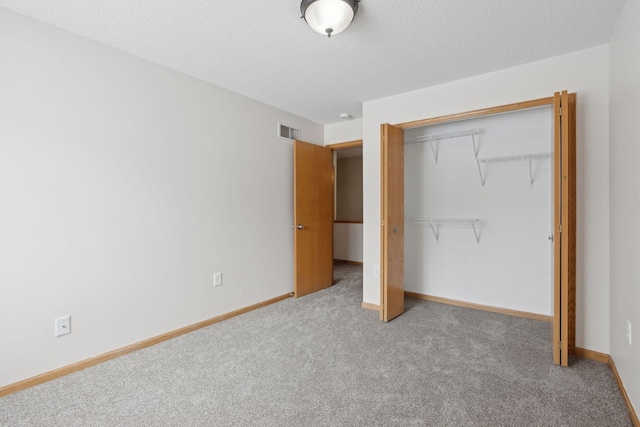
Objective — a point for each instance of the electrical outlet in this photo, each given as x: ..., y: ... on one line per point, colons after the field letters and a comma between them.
x: 376, y: 271
x: 629, y: 332
x: 217, y: 279
x: 63, y: 326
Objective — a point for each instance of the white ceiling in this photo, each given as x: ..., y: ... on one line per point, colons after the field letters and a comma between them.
x: 262, y: 49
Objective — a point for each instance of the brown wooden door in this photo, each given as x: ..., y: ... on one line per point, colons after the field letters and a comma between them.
x: 392, y: 224
x: 313, y: 217
x: 564, y: 243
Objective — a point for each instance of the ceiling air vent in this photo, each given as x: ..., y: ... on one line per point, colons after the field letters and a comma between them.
x: 287, y: 132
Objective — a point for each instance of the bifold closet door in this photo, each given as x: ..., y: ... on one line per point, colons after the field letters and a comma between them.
x: 313, y: 217
x: 564, y: 110
x: 392, y: 222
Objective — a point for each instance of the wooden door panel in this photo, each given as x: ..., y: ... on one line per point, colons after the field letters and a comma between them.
x: 564, y: 227
x: 392, y: 226
x: 313, y: 211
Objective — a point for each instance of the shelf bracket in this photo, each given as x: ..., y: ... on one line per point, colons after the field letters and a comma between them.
x: 475, y: 148
x: 530, y: 172
x: 473, y: 224
x: 435, y: 234
x: 434, y: 150
x: 480, y: 172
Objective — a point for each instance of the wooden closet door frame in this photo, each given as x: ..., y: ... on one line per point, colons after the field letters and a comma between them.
x: 564, y: 182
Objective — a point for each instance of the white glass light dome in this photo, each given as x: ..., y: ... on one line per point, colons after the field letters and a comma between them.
x: 329, y: 16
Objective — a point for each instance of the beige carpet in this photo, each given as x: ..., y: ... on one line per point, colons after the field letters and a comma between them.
x: 322, y: 360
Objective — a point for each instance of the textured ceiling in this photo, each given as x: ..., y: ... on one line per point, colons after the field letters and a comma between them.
x: 262, y: 49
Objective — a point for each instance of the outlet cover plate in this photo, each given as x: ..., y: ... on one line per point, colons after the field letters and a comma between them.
x: 217, y: 279
x: 63, y: 326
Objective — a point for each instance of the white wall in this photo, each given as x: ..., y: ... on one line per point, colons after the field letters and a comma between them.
x: 625, y: 197
x: 348, y: 130
x: 347, y: 242
x: 510, y: 265
x: 584, y: 72
x: 124, y: 186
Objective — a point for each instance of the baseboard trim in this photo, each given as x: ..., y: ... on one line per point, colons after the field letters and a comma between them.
x: 344, y: 261
x: 83, y: 364
x: 370, y: 306
x: 492, y: 309
x: 591, y: 355
x: 632, y: 412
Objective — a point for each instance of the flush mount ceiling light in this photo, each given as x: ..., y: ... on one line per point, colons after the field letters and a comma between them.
x: 328, y: 16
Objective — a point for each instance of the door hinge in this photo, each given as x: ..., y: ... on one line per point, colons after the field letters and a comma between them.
x: 560, y: 228
x: 560, y: 111
x: 559, y: 344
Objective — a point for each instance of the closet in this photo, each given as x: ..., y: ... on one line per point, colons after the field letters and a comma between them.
x: 478, y: 210
x: 489, y: 214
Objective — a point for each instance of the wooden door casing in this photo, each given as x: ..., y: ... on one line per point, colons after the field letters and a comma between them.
x: 565, y: 207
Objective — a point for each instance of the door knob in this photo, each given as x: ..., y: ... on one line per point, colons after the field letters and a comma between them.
x: 395, y: 230
x: 550, y: 238
x: 300, y: 226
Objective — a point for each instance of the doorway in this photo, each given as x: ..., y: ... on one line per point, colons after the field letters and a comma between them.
x: 324, y: 208
x: 564, y: 212
x: 347, y: 224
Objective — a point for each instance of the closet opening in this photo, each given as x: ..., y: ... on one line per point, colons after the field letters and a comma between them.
x: 478, y: 210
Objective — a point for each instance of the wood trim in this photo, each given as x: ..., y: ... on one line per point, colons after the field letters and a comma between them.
x: 343, y: 145
x: 475, y: 306
x: 78, y: 366
x: 370, y: 306
x: 347, y: 222
x: 478, y: 113
x: 557, y: 219
x: 565, y: 234
x: 632, y: 412
x: 572, y: 226
x: 345, y: 261
x: 591, y: 355
x: 383, y: 197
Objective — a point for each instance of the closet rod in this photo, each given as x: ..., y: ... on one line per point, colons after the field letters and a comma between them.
x: 449, y: 135
x: 431, y: 221
x: 514, y: 158
x: 528, y: 157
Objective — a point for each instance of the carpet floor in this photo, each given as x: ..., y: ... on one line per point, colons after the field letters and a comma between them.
x: 322, y: 360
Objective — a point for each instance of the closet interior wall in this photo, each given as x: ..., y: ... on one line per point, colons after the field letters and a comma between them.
x: 506, y: 261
